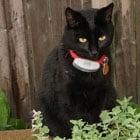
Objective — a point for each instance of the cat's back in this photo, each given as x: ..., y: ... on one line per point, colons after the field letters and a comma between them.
x: 49, y: 67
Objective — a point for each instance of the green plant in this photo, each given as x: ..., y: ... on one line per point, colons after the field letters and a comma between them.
x: 37, y: 126
x: 122, y: 123
x: 6, y: 122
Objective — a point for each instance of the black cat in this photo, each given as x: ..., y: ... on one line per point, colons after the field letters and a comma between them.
x: 71, y: 90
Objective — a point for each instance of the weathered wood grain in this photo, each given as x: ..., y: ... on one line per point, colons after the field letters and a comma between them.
x: 5, y: 69
x: 41, y: 35
x: 18, y: 56
x: 5, y: 77
x: 100, y: 3
x: 85, y: 4
x: 125, y: 46
x: 137, y: 4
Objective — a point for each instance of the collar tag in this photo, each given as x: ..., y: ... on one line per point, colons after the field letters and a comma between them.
x: 105, y: 68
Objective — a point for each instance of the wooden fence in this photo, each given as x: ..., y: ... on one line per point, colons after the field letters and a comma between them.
x: 29, y: 29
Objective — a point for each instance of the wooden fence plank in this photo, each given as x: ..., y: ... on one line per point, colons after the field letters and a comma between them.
x: 138, y: 47
x: 4, y: 52
x: 19, y: 60
x: 125, y: 49
x: 30, y: 54
x: 41, y: 33
x: 5, y: 70
x: 57, y: 15
x: 76, y: 5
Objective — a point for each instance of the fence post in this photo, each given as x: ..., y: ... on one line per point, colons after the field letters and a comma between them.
x: 137, y: 4
x: 5, y: 69
x: 125, y: 49
x: 19, y: 58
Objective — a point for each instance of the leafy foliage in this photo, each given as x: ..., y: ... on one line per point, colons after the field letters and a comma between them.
x: 6, y: 122
x: 37, y: 126
x: 122, y: 123
x: 4, y: 111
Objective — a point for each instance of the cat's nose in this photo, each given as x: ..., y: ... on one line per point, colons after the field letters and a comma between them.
x: 94, y: 54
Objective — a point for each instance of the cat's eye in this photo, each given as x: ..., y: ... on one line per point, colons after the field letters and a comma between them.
x: 82, y: 40
x: 102, y: 38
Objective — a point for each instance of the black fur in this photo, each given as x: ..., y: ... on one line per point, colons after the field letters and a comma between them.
x: 67, y: 93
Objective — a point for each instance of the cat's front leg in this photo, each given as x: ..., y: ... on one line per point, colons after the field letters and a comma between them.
x: 110, y: 99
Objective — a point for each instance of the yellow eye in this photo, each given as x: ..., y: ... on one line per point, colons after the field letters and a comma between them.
x: 82, y: 40
x: 102, y: 38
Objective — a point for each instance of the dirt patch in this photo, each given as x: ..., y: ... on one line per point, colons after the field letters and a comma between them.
x: 16, y: 135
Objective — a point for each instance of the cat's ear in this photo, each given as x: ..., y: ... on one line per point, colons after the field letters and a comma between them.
x: 105, y: 14
x: 72, y: 17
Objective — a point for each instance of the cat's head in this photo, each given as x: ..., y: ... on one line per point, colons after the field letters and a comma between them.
x: 89, y: 32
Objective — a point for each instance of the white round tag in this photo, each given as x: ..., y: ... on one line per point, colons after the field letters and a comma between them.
x: 86, y: 65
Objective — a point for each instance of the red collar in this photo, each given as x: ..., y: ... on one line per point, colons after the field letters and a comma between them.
x: 101, y: 60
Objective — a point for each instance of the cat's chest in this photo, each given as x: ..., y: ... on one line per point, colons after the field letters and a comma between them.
x: 82, y: 104
x: 85, y: 97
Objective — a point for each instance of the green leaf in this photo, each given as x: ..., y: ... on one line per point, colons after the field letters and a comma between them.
x: 20, y: 124
x: 16, y: 124
x: 127, y: 121
x: 4, y: 110
x: 105, y: 116
x: 116, y: 110
x: 45, y: 130
x: 131, y: 110
x: 58, y: 138
x: 79, y: 123
x: 136, y: 106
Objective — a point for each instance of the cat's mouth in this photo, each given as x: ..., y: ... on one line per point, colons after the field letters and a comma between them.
x: 86, y: 65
